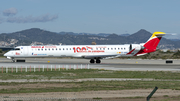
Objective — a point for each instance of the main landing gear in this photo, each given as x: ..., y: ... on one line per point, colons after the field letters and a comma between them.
x: 92, y: 61
x: 97, y: 61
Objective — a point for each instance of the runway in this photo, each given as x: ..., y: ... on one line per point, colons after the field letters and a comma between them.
x: 109, y: 64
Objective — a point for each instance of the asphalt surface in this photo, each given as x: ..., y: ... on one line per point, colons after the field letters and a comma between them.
x: 109, y: 64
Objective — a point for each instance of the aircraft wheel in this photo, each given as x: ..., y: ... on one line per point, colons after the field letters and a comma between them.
x: 92, y: 61
x: 13, y: 60
x: 98, y: 61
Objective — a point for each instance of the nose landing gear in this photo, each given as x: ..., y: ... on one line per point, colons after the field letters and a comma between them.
x: 13, y: 60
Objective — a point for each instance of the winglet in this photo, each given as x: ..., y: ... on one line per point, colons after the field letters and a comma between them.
x: 157, y: 34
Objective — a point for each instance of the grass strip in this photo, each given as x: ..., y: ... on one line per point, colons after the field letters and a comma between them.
x: 94, y: 86
x: 86, y: 73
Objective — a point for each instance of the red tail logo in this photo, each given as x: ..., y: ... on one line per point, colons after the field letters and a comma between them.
x: 152, y: 43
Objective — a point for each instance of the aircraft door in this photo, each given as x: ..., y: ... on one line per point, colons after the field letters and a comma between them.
x: 130, y: 47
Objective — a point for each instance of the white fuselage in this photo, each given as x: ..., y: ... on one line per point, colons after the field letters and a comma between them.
x: 92, y: 52
x: 78, y: 51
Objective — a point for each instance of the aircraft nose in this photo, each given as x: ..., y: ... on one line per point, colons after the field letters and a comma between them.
x: 6, y: 54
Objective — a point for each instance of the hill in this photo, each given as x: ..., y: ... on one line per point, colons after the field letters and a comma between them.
x: 26, y: 37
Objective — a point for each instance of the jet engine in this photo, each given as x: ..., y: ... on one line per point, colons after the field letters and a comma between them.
x: 136, y: 47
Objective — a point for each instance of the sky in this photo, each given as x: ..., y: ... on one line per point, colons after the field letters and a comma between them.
x: 91, y: 16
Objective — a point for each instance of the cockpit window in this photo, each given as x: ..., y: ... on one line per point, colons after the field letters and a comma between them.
x: 17, y: 49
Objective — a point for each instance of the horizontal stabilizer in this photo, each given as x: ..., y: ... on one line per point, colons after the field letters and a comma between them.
x: 157, y: 34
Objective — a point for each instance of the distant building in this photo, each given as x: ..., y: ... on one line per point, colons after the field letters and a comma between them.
x: 93, y: 43
x: 36, y: 43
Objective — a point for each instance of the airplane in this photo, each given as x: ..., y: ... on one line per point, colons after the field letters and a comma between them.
x: 92, y: 52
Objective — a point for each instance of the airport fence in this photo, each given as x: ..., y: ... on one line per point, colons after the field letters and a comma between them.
x: 42, y: 68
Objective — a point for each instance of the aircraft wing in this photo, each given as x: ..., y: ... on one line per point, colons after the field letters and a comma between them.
x: 99, y: 56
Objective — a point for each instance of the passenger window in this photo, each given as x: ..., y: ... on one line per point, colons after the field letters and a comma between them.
x: 124, y: 48
x: 56, y: 48
x: 96, y: 48
x: 38, y: 49
x: 108, y: 48
x: 52, y: 48
x: 69, y: 48
x: 42, y: 49
x: 66, y: 48
x: 121, y: 48
x: 59, y: 48
x: 103, y: 48
x: 63, y: 48
x: 45, y: 49
x: 49, y: 48
x: 118, y: 48
x: 111, y: 48
x: 114, y: 48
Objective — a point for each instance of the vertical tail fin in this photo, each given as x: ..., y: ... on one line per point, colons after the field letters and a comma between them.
x: 152, y: 43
